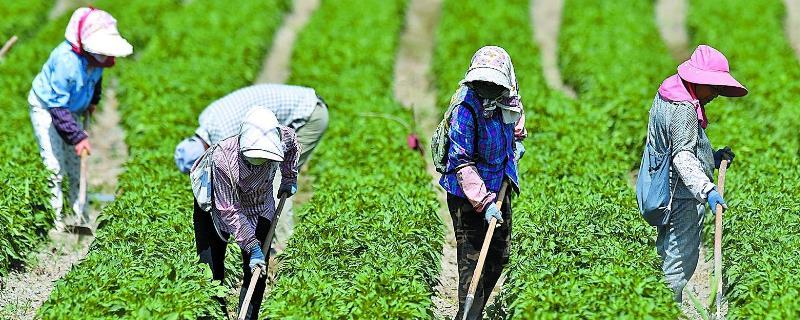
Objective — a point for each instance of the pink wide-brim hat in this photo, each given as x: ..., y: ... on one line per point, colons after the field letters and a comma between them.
x: 710, y: 67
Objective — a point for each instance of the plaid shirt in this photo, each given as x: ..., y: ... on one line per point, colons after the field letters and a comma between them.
x: 243, y: 192
x: 492, y: 156
x: 292, y: 105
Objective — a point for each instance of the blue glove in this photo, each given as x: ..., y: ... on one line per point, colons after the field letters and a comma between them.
x: 492, y: 211
x: 290, y: 190
x: 257, y: 259
x: 723, y: 154
x: 519, y: 150
x: 714, y: 198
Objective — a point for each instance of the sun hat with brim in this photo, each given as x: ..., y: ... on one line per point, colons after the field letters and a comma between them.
x: 710, y: 67
x: 187, y: 152
x: 95, y: 31
x: 489, y: 75
x: 259, y: 136
x: 108, y: 43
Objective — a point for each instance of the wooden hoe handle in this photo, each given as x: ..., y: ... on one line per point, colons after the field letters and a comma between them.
x: 723, y: 168
x: 7, y: 47
x: 257, y: 272
x: 476, y: 276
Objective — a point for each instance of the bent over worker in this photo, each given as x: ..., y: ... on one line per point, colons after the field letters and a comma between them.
x: 485, y: 133
x: 243, y: 169
x: 678, y: 120
x: 298, y: 108
x: 68, y: 88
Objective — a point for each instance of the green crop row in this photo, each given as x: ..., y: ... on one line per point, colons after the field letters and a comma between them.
x: 579, y: 246
x: 24, y: 201
x: 22, y: 17
x: 367, y: 243
x: 761, y: 236
x: 143, y: 263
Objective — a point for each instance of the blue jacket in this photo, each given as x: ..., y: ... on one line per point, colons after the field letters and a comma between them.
x: 66, y: 81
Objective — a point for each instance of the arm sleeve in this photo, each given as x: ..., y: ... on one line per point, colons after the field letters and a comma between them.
x: 520, y: 133
x: 66, y: 126
x: 684, y: 133
x: 461, y: 158
x: 228, y: 207
x: 98, y: 91
x: 290, y: 157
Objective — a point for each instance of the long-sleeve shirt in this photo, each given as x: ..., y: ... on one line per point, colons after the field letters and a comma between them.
x: 692, y: 155
x: 243, y: 192
x: 67, y: 85
x: 292, y: 105
x: 481, y: 152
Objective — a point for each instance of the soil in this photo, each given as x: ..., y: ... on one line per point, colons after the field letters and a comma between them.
x: 700, y: 287
x: 23, y: 291
x: 546, y: 23
x: 793, y: 23
x: 671, y: 20
x: 61, y: 7
x: 413, y: 87
x: 277, y: 65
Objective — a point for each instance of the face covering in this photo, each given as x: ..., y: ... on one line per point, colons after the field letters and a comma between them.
x: 255, y: 161
x: 98, y: 60
x: 488, y: 90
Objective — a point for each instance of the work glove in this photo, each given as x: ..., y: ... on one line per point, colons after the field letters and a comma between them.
x: 723, y: 154
x: 289, y: 190
x: 519, y: 150
x: 714, y: 198
x: 257, y: 259
x: 492, y: 211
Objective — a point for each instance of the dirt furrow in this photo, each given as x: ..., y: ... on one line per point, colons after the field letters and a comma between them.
x: 671, y: 21
x: 277, y: 65
x: 24, y: 291
x: 793, y: 24
x: 413, y: 87
x: 546, y: 23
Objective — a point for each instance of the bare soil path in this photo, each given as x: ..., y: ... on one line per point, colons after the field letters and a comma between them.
x: 413, y: 87
x: 546, y: 23
x: 793, y: 23
x: 277, y: 65
x: 23, y: 291
x: 671, y: 21
x: 61, y: 7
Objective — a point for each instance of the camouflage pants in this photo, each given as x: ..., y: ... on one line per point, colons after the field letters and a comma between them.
x: 470, y: 229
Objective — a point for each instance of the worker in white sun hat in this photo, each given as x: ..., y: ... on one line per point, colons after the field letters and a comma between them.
x: 68, y: 88
x: 239, y: 200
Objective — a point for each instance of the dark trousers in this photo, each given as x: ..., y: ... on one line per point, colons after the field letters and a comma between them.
x: 211, y: 250
x: 470, y: 229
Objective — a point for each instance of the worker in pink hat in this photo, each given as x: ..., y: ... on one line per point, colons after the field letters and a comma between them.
x: 677, y: 126
x: 68, y: 88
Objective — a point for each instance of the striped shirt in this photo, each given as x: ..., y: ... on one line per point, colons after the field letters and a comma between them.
x: 243, y: 192
x: 693, y: 157
x: 292, y: 105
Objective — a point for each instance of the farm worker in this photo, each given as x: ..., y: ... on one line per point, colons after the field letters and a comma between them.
x: 296, y: 107
x: 678, y: 119
x: 68, y: 88
x: 485, y: 136
x: 243, y: 169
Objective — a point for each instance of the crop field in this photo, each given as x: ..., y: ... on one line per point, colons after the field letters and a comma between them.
x: 369, y: 232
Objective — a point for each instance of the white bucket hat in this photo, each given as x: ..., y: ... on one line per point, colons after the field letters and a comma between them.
x: 259, y: 136
x: 98, y: 33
